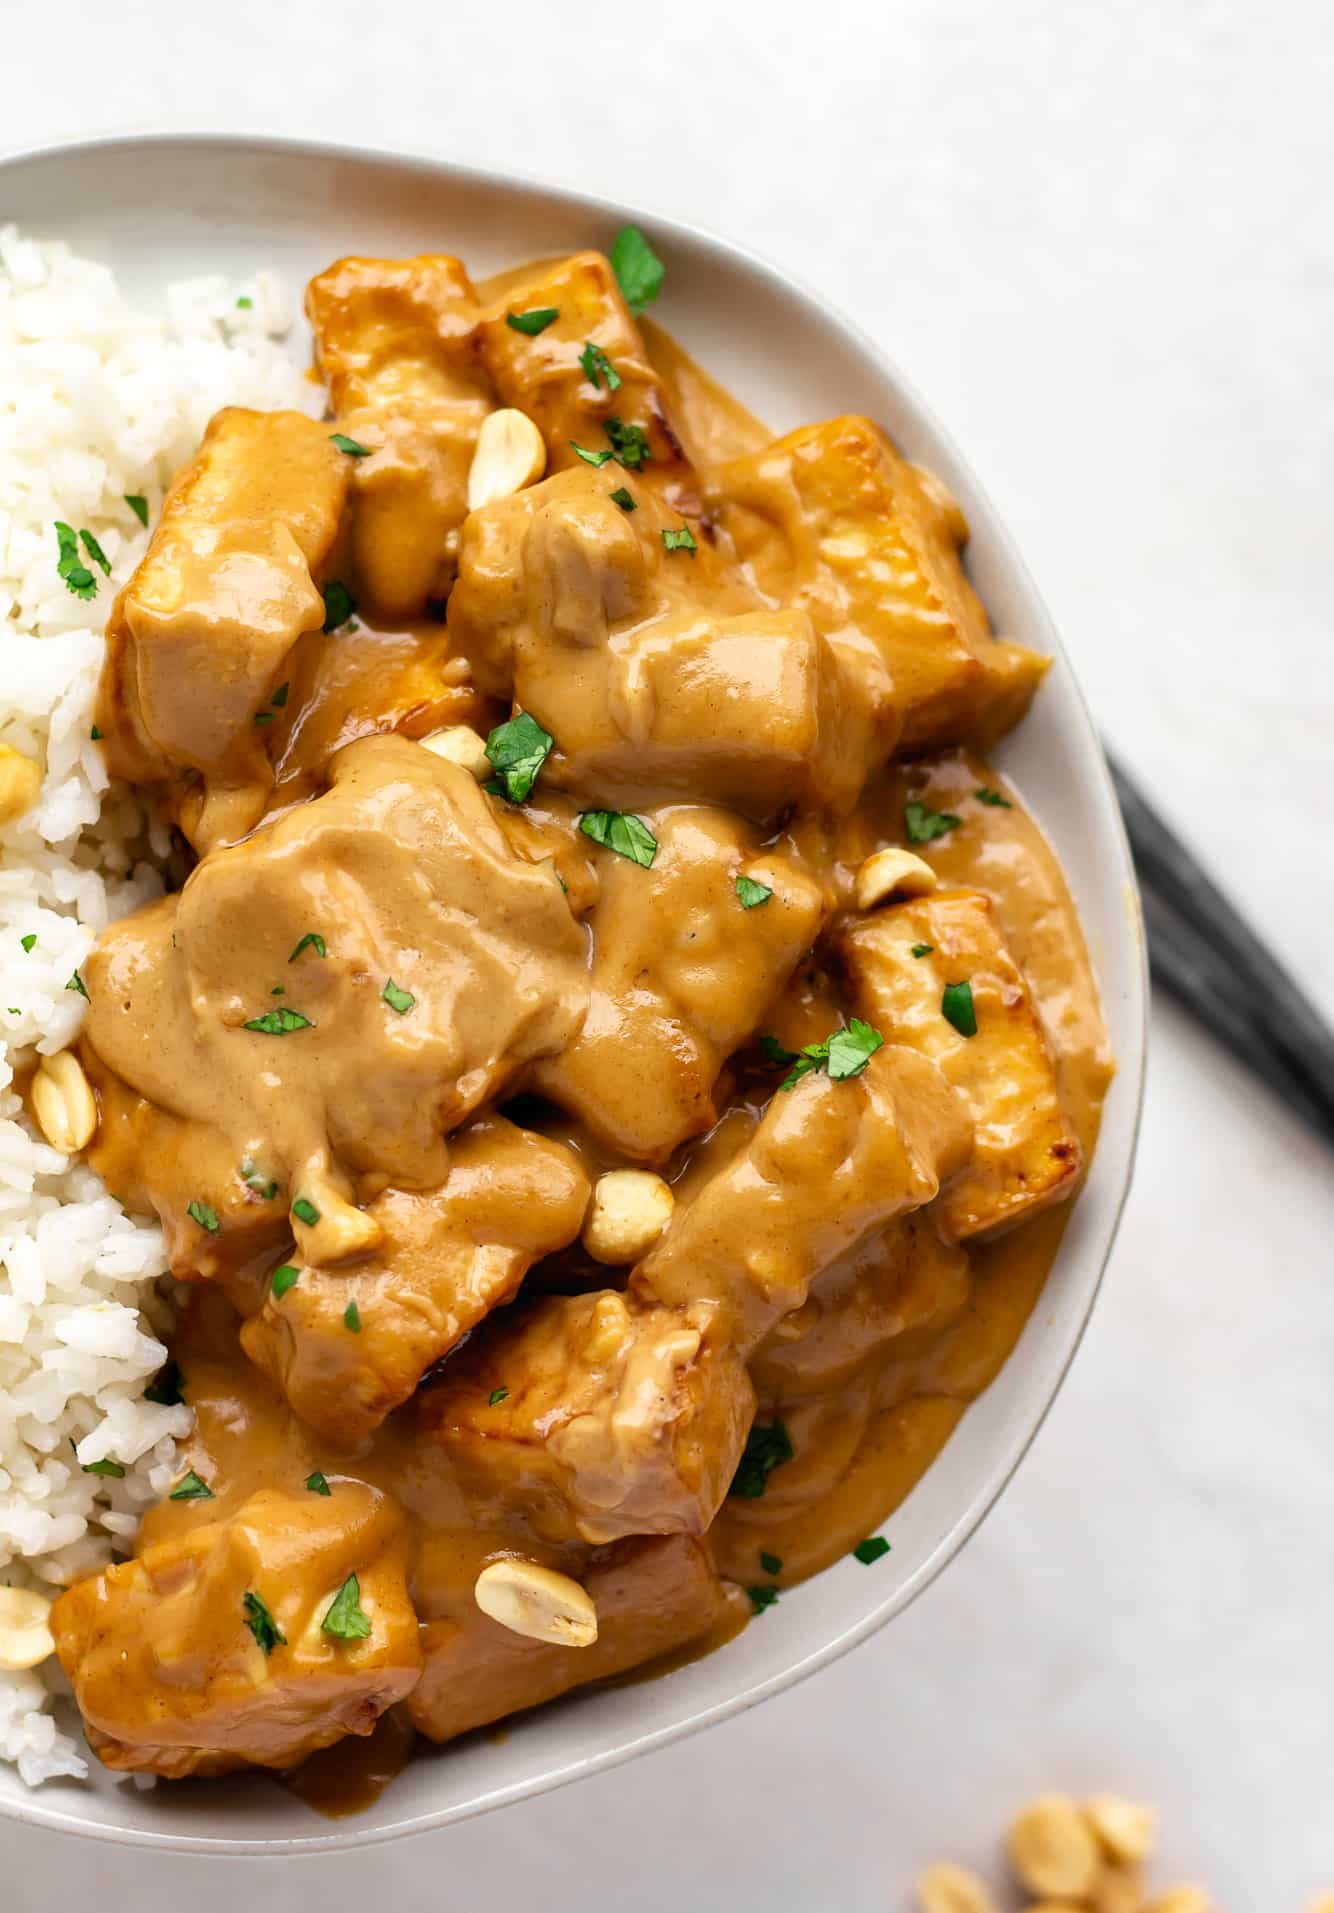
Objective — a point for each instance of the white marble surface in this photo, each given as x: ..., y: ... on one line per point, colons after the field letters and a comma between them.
x: 1102, y: 241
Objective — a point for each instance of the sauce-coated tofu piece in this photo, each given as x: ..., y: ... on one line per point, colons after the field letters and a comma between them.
x: 197, y: 639
x: 652, y: 1597
x: 544, y: 373
x: 682, y: 976
x: 396, y: 340
x: 595, y: 1418
x: 654, y: 666
x: 829, y: 1163
x: 445, y: 1258
x: 171, y: 1680
x: 1025, y: 1154
x: 851, y: 532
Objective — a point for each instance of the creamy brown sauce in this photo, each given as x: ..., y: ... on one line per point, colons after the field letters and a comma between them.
x: 834, y: 1262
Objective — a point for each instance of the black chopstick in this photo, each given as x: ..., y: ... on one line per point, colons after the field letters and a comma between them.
x: 1207, y: 957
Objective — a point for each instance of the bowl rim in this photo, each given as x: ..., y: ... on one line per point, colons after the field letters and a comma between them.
x: 30, y: 1808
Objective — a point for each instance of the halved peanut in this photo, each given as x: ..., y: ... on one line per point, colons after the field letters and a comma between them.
x: 890, y: 873
x: 1053, y: 1849
x: 1182, y: 1899
x: 1125, y: 1829
x: 25, y: 1636
x: 946, y: 1888
x: 629, y: 1211
x: 20, y: 782
x: 537, y: 1603
x: 510, y: 454
x: 63, y: 1102
x: 459, y: 744
x: 1120, y: 1889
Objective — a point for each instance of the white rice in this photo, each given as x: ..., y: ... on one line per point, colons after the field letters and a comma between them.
x: 98, y: 400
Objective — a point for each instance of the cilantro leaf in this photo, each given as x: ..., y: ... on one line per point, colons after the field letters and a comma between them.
x: 352, y: 1318
x: 29, y: 941
x: 111, y: 1468
x: 767, y: 1448
x: 851, y: 1049
x: 95, y: 551
x: 639, y: 271
x: 400, y: 1000
x: 77, y: 984
x: 957, y: 1007
x: 589, y: 458
x: 761, y: 1598
x: 284, y: 1277
x: 773, y: 1051
x: 311, y: 941
x: 618, y: 830
x: 69, y: 566
x: 496, y: 1397
x: 517, y: 750
x: 279, y: 1023
x: 625, y: 499
x: 191, y: 1488
x: 771, y: 1563
x: 353, y: 447
x: 279, y: 697
x: 305, y: 1211
x: 253, y: 1179
x: 256, y: 1615
x: 598, y: 367
x: 993, y: 797
x: 317, y: 1484
x: 138, y: 504
x: 347, y: 1619
x: 205, y: 1215
x: 533, y: 322
x: 752, y: 894
x: 339, y: 605
x: 923, y: 824
x: 871, y: 1549
x: 922, y: 949
x: 629, y: 444
x: 682, y: 540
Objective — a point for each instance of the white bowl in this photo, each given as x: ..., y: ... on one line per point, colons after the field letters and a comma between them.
x: 158, y: 209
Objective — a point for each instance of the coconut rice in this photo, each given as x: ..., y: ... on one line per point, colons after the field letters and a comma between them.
x: 100, y: 402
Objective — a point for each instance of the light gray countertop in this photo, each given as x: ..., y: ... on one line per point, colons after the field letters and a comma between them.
x: 1101, y: 241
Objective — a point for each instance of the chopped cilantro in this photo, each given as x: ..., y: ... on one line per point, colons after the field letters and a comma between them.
x: 77, y: 984
x: 347, y: 1619
x: 305, y: 1211
x: 205, y: 1215
x: 922, y: 824
x: 255, y: 1613
x: 263, y: 717
x: 771, y: 1563
x: 767, y: 1448
x: 95, y: 735
x: 279, y: 697
x: 624, y: 499
x: 851, y: 1049
x: 629, y: 444
x: 627, y: 835
x: 532, y: 322
x: 339, y: 604
x: 752, y: 894
x: 397, y: 999
x: 957, y: 1007
x: 598, y: 367
x: 589, y: 458
x: 279, y: 1023
x: 774, y: 1052
x: 112, y: 1468
x: 138, y: 504
x: 317, y: 1484
x: 517, y: 750
x: 761, y: 1598
x: 284, y: 1277
x: 169, y: 1388
x: 922, y: 949
x: 496, y: 1397
x: 639, y: 271
x: 245, y: 302
x: 69, y: 566
x: 871, y: 1549
x: 253, y: 1179
x: 191, y: 1488
x: 29, y: 941
x: 993, y: 797
x: 95, y: 551
x: 682, y: 540
x: 353, y: 447
x: 352, y: 1318
x: 311, y: 941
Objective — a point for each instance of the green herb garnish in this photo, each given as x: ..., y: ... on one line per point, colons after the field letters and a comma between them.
x: 639, y: 271
x: 761, y: 1598
x: 279, y: 1023
x: 871, y: 1549
x: 284, y: 1277
x: 922, y: 949
x: 111, y: 1468
x: 317, y: 1484
x: 957, y: 1007
x: 253, y: 1179
x: 993, y: 797
x: 169, y: 1388
x: 339, y: 604
x: 305, y: 1211
x: 245, y: 302
x: 138, y: 504
x: 923, y: 824
x: 311, y: 941
x: 353, y: 447
x: 624, y: 499
x: 682, y: 540
x: 205, y: 1215
x: 752, y: 894
x: 589, y: 458
x: 279, y: 697
x: 533, y: 322
x: 263, y: 717
x: 29, y: 941
x: 95, y: 735
x: 496, y: 1397
x: 255, y: 1612
x: 771, y: 1563
x: 598, y: 367
x: 767, y: 1448
x: 627, y: 835
x: 352, y: 1318
x: 77, y: 983
x: 517, y: 750
x: 629, y: 445
x: 347, y: 1619
x: 397, y: 999
x: 70, y: 566
x: 845, y: 1053
x: 191, y: 1488
x: 95, y: 551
